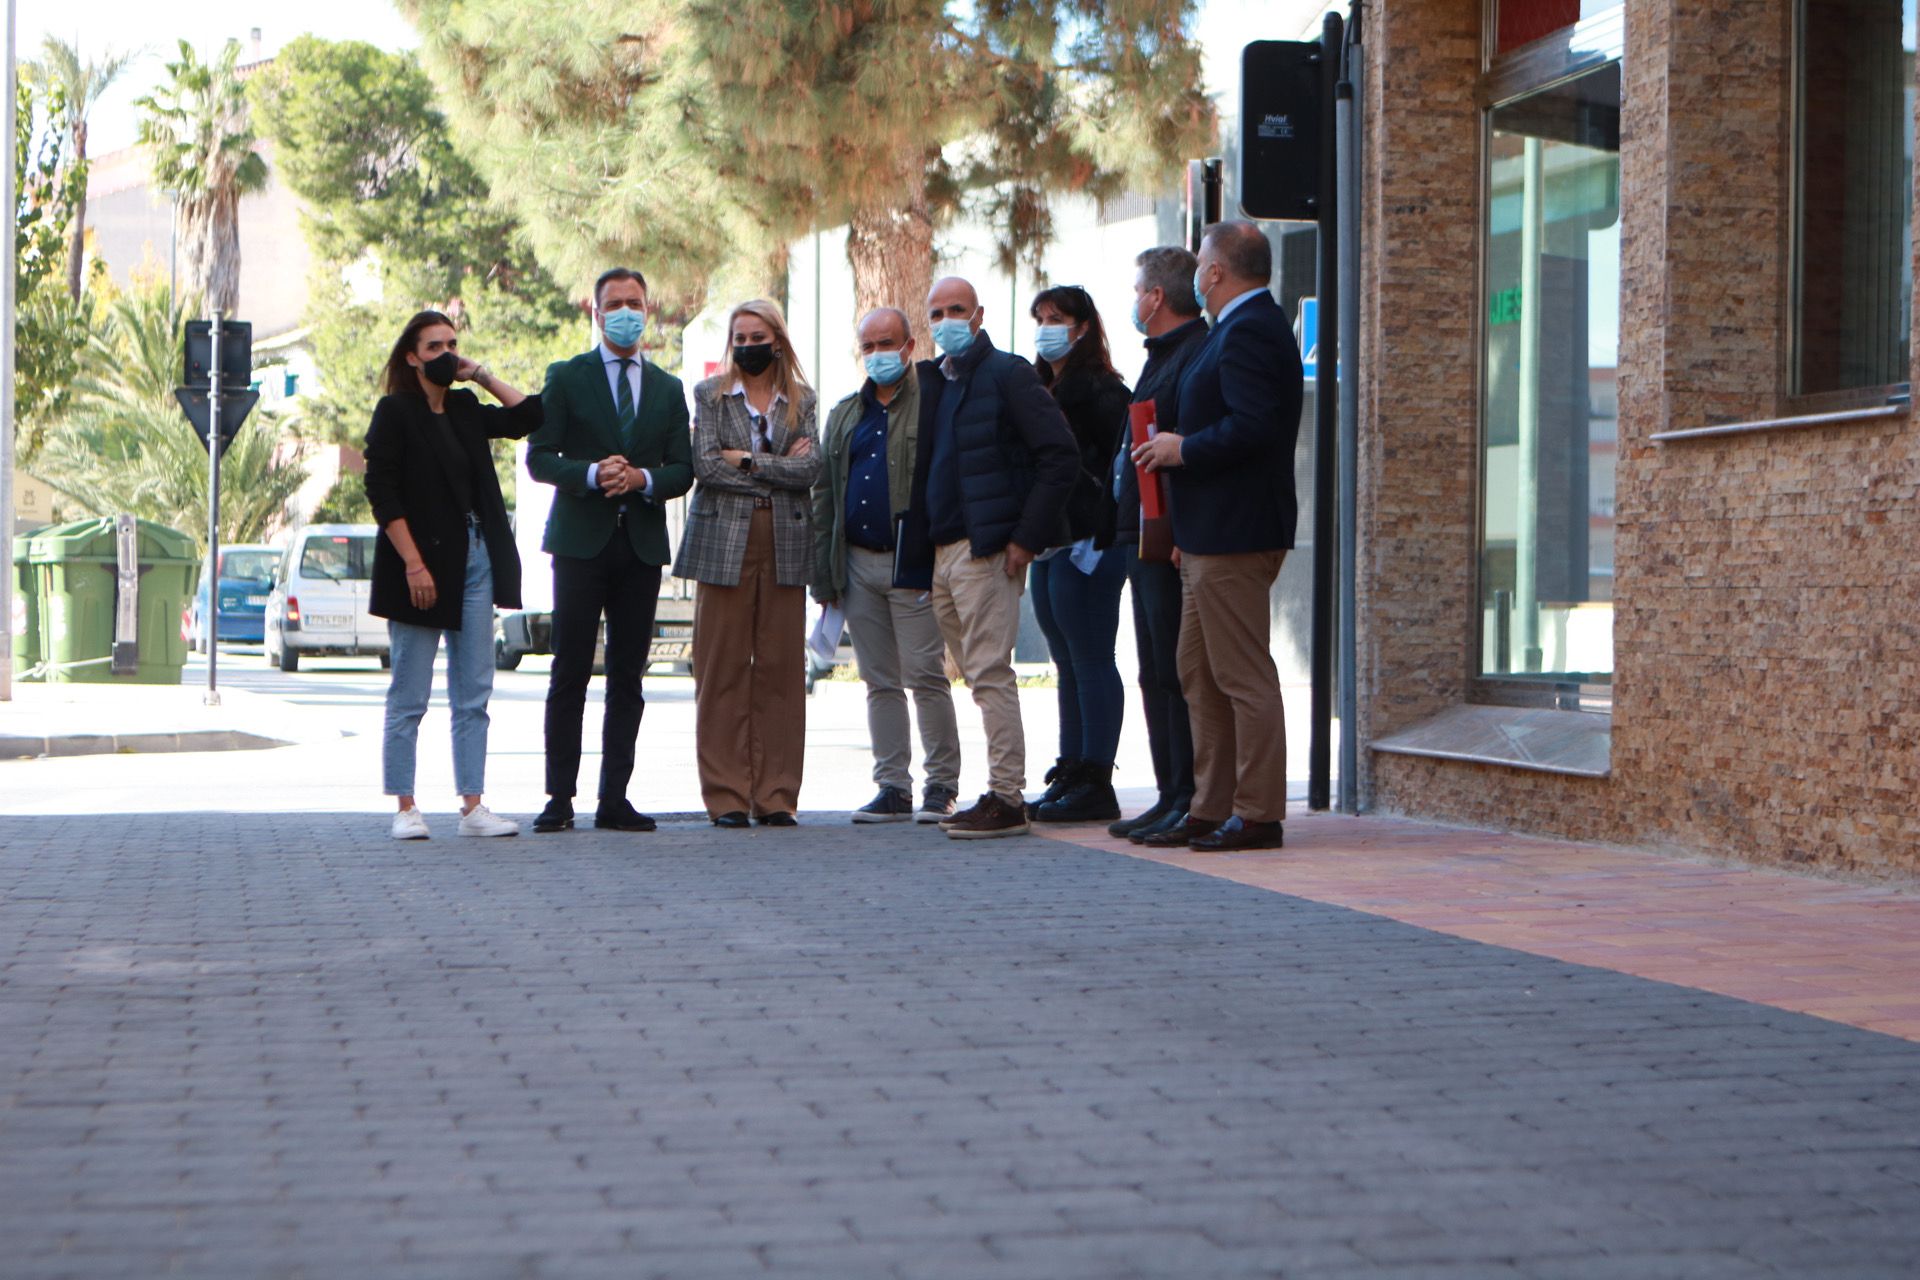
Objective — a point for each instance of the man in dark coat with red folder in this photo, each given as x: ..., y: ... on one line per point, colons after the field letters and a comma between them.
x: 1230, y: 469
x: 1165, y: 311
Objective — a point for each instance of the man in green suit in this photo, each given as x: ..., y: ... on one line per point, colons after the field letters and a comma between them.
x: 615, y: 447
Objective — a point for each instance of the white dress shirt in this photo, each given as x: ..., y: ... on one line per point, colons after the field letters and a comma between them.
x: 763, y: 422
x: 611, y: 360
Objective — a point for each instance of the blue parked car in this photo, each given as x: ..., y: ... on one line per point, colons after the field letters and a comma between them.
x: 246, y: 580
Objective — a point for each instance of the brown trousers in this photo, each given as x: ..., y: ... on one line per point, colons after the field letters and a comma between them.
x: 1232, y: 687
x: 750, y: 685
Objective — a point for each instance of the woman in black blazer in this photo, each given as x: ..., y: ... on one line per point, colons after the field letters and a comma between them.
x: 446, y: 555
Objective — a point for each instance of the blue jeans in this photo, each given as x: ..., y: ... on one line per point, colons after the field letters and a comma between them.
x: 1079, y: 613
x: 469, y: 682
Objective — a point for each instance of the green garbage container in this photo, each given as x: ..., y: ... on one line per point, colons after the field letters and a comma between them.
x: 26, y: 611
x: 78, y: 566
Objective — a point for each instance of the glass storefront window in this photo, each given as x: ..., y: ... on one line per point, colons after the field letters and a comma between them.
x: 1853, y: 265
x: 1522, y: 21
x: 1552, y: 327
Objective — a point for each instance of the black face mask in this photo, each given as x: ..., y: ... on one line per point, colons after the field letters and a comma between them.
x: 755, y: 359
x: 441, y: 369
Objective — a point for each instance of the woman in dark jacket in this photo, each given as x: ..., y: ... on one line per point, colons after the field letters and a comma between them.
x: 1076, y: 589
x: 446, y: 555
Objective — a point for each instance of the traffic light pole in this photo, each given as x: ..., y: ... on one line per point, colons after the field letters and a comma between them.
x: 1326, y: 442
x: 213, y: 519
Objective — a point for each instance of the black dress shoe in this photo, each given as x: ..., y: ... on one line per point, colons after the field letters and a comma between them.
x: 622, y: 817
x: 557, y: 816
x: 1174, y: 819
x: 1235, y: 834
x: 1180, y: 834
x: 780, y: 819
x: 733, y: 821
x: 1141, y: 821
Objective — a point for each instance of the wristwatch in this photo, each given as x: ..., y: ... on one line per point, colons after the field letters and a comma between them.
x: 746, y: 463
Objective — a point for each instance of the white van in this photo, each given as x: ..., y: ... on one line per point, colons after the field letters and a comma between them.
x: 319, y: 600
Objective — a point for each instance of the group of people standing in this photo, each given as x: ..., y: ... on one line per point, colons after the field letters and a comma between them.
x: 929, y: 502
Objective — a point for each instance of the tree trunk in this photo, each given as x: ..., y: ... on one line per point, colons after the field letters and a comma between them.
x: 890, y: 247
x: 195, y: 237
x: 77, y: 253
x: 220, y: 255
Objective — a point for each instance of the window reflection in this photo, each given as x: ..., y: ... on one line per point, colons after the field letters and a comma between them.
x: 1854, y: 272
x: 1550, y: 406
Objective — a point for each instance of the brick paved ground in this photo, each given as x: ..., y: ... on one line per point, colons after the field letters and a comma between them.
x: 280, y: 1046
x: 1839, y: 950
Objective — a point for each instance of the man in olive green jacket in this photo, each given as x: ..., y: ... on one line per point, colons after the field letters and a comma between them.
x: 866, y: 477
x: 614, y: 445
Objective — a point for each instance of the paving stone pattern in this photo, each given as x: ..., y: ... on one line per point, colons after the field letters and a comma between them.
x: 288, y: 1047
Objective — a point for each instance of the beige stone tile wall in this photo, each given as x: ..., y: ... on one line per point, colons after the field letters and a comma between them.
x: 1767, y: 588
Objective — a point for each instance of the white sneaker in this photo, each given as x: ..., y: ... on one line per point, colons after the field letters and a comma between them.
x: 481, y: 821
x: 410, y: 824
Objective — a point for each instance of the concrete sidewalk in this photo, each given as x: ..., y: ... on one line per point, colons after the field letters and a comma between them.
x: 98, y: 719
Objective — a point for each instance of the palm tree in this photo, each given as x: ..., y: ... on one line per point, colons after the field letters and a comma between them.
x: 197, y: 128
x: 124, y: 446
x: 83, y: 83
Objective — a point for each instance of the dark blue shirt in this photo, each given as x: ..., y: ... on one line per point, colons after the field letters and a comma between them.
x: 869, y: 504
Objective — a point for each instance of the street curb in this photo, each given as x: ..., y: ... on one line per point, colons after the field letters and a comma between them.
x: 19, y: 746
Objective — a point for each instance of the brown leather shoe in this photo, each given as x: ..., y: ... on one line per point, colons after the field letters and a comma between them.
x: 1235, y: 834
x: 1181, y: 835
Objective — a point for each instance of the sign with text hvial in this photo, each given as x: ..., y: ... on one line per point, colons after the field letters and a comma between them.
x: 1280, y: 130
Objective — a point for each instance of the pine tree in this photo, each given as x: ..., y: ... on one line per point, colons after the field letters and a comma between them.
x: 702, y: 133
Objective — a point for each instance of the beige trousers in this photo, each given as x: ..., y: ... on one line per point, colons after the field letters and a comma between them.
x: 1232, y: 687
x: 978, y: 607
x: 897, y: 642
x: 750, y: 685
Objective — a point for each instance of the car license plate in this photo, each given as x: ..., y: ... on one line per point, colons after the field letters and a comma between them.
x: 324, y: 621
x: 259, y: 602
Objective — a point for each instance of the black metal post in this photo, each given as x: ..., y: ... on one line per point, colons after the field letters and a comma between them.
x: 1326, y: 428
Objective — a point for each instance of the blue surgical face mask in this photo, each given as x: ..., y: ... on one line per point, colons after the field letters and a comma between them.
x: 623, y: 327
x: 886, y: 367
x: 953, y: 335
x: 1199, y: 294
x: 1051, y: 341
x: 1140, y: 323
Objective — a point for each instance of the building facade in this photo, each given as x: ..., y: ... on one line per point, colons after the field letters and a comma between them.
x: 1640, y: 538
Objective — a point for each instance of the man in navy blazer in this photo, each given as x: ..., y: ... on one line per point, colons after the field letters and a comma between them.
x: 1230, y: 477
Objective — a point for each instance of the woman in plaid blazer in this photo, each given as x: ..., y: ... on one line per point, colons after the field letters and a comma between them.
x: 749, y: 545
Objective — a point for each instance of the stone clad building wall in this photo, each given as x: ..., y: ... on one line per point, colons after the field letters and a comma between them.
x: 1766, y: 586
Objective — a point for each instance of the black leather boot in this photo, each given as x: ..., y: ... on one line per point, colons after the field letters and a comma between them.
x: 1089, y: 799
x: 1059, y: 779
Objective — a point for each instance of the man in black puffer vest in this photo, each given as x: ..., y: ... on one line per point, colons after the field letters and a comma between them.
x: 996, y: 464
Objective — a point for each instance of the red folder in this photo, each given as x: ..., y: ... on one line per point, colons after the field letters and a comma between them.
x: 1153, y: 498
x: 1156, y: 530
